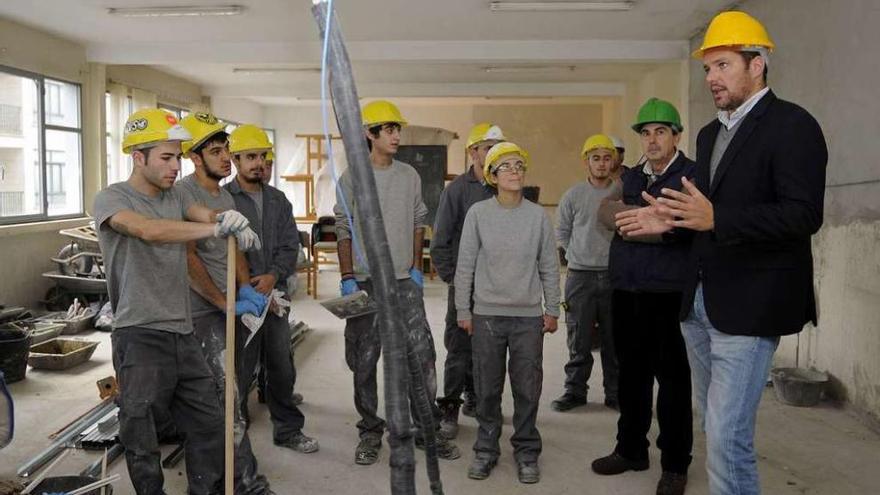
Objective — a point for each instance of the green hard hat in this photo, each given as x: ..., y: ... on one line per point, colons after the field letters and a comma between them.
x: 657, y: 111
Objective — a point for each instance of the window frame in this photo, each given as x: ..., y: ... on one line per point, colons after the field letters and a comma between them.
x: 40, y: 81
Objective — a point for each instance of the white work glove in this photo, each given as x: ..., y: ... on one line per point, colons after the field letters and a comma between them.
x: 230, y: 222
x: 248, y: 240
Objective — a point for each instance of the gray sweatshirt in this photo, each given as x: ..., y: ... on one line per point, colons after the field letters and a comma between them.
x: 400, y: 199
x: 585, y: 241
x: 507, y: 257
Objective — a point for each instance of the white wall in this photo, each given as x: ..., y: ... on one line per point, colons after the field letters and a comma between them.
x: 825, y: 62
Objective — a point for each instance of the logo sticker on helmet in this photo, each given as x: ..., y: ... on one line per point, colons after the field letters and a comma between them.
x: 136, y: 125
x: 206, y: 118
x: 171, y: 119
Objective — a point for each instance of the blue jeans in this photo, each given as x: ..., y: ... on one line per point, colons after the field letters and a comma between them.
x: 728, y: 373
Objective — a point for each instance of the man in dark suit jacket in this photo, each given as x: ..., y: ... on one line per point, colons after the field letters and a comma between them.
x: 756, y: 201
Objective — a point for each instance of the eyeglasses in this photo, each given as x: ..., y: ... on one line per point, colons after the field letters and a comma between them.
x: 512, y: 168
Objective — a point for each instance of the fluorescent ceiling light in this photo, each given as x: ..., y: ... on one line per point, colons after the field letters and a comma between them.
x: 504, y: 6
x: 252, y: 71
x: 527, y: 69
x: 179, y: 11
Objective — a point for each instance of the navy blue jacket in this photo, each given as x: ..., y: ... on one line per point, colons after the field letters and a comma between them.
x: 651, y: 267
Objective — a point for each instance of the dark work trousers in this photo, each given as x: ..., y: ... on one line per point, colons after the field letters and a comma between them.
x: 493, y: 338
x: 650, y: 346
x: 160, y: 372
x: 271, y: 348
x: 458, y: 375
x: 363, y: 347
x: 210, y: 330
x: 588, y: 297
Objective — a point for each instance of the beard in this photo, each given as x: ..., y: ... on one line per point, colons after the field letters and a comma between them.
x: 214, y: 175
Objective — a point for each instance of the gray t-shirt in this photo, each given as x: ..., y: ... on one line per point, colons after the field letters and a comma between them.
x: 258, y: 201
x: 211, y: 251
x: 147, y: 282
x: 507, y: 258
x: 400, y: 199
x: 578, y: 231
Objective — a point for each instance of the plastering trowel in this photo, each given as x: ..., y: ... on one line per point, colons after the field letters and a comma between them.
x: 350, y: 306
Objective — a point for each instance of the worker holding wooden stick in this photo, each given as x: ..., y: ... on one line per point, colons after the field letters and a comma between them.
x: 143, y: 230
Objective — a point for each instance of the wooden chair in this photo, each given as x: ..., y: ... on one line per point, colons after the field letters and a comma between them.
x: 324, y: 241
x: 308, y: 266
x: 426, y: 254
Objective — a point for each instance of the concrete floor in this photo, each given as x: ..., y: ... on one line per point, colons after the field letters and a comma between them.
x: 821, y: 450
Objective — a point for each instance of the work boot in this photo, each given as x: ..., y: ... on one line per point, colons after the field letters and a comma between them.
x: 616, y: 464
x: 297, y: 398
x: 300, y: 443
x: 481, y: 466
x: 445, y: 449
x: 252, y: 485
x: 672, y: 483
x: 469, y: 408
x: 528, y: 472
x: 567, y: 401
x: 367, y: 451
x: 449, y: 420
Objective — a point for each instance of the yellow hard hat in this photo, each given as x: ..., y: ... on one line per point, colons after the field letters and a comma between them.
x: 270, y: 155
x: 201, y: 126
x: 484, y: 132
x: 496, y: 153
x: 734, y: 28
x: 151, y: 126
x: 247, y: 137
x: 598, y: 141
x: 382, y: 112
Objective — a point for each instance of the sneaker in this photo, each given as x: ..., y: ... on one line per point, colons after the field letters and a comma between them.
x: 449, y: 420
x: 445, y: 449
x: 616, y: 464
x: 672, y: 483
x: 611, y: 403
x: 567, y: 401
x: 367, y: 451
x: 300, y: 443
x: 528, y: 472
x: 469, y: 408
x: 480, y: 467
x: 297, y: 398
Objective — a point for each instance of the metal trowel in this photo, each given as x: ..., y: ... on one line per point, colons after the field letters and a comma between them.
x: 350, y: 306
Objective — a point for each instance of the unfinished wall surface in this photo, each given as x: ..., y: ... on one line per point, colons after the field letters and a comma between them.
x: 825, y: 62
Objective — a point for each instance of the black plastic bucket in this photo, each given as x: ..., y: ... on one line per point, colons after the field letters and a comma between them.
x: 15, y: 346
x: 64, y: 484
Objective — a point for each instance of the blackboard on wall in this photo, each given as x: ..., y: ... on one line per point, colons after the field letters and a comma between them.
x: 430, y: 162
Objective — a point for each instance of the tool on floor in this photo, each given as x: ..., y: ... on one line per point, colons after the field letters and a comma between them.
x: 92, y: 486
x: 39, y: 478
x: 229, y: 445
x: 358, y: 304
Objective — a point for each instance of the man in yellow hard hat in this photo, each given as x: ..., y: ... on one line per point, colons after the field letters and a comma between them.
x: 403, y: 212
x: 271, y: 214
x: 158, y: 361
x: 587, y: 284
x: 647, y: 277
x: 206, y: 261
x: 507, y: 298
x: 457, y: 198
x: 619, y: 167
x: 756, y: 200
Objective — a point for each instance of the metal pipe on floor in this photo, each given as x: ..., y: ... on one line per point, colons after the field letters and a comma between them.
x: 93, y: 470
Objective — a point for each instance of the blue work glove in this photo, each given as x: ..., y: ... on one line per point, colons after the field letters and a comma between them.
x: 245, y: 306
x: 348, y: 286
x: 417, y: 277
x: 248, y: 293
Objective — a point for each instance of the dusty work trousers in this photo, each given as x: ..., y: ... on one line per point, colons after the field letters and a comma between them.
x: 271, y: 348
x: 650, y: 346
x: 588, y: 298
x: 160, y: 372
x: 493, y: 338
x: 363, y: 347
x: 458, y: 374
x: 210, y: 330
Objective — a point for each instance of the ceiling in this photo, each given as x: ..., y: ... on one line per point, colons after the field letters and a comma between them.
x: 402, y: 47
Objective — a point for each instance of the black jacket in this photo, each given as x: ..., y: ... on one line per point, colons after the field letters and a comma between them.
x: 768, y: 192
x: 651, y: 267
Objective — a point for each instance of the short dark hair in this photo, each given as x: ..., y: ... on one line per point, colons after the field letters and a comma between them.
x: 219, y: 138
x: 749, y: 56
x: 145, y: 151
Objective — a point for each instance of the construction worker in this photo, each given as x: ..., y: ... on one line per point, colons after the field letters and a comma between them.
x: 268, y: 166
x: 271, y: 214
x: 619, y: 167
x: 403, y: 212
x: 506, y: 264
x: 457, y: 198
x: 158, y: 361
x: 587, y: 285
x: 206, y: 261
x: 647, y: 277
x: 756, y: 200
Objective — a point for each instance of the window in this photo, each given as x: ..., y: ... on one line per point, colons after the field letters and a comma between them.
x: 40, y: 148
